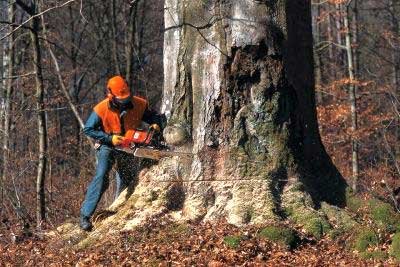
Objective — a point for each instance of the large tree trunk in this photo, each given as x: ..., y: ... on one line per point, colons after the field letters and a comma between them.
x: 239, y: 94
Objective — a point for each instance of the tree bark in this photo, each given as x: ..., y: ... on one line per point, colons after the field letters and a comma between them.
x: 332, y: 71
x: 352, y: 99
x: 131, y: 34
x: 317, y: 56
x: 41, y: 116
x: 338, y: 22
x: 114, y: 41
x: 7, y: 94
x: 355, y: 35
x: 239, y: 93
x: 395, y: 69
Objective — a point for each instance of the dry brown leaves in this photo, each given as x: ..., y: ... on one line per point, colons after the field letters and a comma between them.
x: 163, y: 243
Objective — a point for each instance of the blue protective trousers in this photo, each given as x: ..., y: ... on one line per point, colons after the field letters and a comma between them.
x: 126, y: 172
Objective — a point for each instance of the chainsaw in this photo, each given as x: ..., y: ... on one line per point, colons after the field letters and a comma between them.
x: 147, y: 143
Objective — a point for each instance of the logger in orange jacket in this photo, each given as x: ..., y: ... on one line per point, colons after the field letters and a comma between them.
x: 107, y: 124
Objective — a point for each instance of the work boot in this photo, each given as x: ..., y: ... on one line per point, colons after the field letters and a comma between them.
x: 85, y: 224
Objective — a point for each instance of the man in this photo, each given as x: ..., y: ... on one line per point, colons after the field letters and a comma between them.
x: 119, y: 113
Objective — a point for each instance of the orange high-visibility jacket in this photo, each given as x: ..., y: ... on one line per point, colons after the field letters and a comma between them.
x: 111, y: 118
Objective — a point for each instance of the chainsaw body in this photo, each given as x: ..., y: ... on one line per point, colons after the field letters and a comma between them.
x: 147, y: 143
x: 142, y: 137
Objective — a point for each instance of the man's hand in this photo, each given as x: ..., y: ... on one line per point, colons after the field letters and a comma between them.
x: 117, y: 140
x: 155, y: 127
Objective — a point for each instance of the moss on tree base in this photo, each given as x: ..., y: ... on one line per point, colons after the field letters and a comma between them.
x: 281, y: 235
x: 299, y: 207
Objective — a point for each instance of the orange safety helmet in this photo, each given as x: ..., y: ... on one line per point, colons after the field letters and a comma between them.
x: 118, y: 88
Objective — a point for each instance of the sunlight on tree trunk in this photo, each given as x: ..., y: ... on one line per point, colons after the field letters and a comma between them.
x: 352, y: 98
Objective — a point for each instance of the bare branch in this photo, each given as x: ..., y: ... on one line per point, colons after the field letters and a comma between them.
x: 34, y: 16
x: 14, y: 24
x: 18, y: 76
x: 328, y: 43
x: 63, y: 87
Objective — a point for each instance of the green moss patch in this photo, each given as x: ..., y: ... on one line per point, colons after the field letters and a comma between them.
x: 336, y: 233
x: 395, y: 247
x: 383, y: 215
x: 299, y: 208
x: 375, y: 255
x: 364, y: 239
x: 343, y: 222
x: 313, y: 222
x: 281, y: 235
x: 317, y: 226
x: 233, y: 241
x: 353, y: 203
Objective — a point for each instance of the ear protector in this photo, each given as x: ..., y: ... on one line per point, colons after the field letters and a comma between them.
x: 110, y: 96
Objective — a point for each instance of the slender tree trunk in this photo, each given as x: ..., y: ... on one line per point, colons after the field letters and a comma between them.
x: 332, y: 70
x: 114, y: 41
x: 131, y: 34
x: 352, y: 98
x: 355, y: 36
x: 339, y: 40
x: 7, y: 95
x: 395, y: 69
x: 317, y: 56
x: 139, y: 32
x: 41, y: 117
x: 74, y: 86
x: 3, y: 86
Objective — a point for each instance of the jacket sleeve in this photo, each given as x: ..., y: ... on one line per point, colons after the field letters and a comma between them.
x: 151, y: 116
x: 94, y: 129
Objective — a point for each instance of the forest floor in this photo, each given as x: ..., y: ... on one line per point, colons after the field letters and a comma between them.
x: 164, y: 243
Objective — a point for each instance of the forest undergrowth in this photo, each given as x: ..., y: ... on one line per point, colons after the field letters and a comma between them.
x: 165, y: 243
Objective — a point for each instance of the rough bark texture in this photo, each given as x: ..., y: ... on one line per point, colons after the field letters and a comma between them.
x: 239, y: 80
x: 41, y: 117
x: 8, y: 82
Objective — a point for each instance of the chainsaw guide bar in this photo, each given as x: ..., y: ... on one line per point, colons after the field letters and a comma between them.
x: 155, y: 154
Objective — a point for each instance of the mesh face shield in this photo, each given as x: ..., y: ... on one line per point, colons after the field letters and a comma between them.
x: 121, y: 104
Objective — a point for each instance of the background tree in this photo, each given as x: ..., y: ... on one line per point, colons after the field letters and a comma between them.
x: 77, y: 37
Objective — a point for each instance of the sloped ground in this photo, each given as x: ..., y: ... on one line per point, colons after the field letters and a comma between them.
x: 160, y: 242
x: 140, y: 230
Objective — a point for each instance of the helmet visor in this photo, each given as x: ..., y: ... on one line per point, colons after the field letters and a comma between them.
x: 123, y: 94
